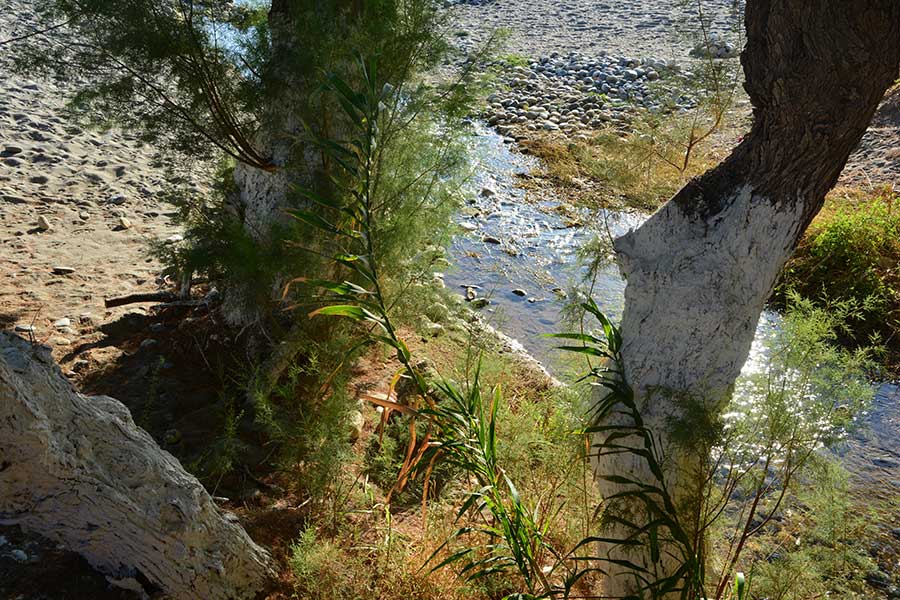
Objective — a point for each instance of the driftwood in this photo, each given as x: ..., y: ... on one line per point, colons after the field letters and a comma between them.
x: 138, y: 298
x: 77, y: 470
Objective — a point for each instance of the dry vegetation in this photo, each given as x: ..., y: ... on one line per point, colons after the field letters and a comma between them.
x: 639, y: 169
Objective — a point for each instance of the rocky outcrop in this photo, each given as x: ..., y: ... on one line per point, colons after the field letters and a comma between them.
x: 77, y: 470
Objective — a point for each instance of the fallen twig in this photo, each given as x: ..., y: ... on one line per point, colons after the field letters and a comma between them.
x: 136, y: 298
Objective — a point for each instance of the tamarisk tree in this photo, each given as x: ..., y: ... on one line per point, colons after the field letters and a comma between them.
x: 214, y: 79
x: 238, y: 83
x: 700, y: 270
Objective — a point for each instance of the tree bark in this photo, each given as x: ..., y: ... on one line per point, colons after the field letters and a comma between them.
x: 700, y: 270
x: 261, y: 195
x: 77, y: 470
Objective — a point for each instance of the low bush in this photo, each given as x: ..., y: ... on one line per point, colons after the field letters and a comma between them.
x: 851, y: 255
x: 640, y: 169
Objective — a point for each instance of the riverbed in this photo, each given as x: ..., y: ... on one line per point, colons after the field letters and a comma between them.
x: 521, y: 255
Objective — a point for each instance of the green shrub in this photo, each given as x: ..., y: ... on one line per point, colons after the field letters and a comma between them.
x: 322, y: 570
x: 819, y: 551
x: 307, y: 414
x: 851, y: 254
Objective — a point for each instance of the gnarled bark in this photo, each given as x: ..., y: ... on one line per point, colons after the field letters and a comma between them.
x: 77, y: 470
x: 700, y: 270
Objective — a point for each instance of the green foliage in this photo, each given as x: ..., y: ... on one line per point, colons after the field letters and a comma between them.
x: 750, y: 458
x: 205, y: 77
x: 820, y: 551
x: 362, y: 216
x: 658, y: 526
x: 225, y: 455
x: 459, y: 430
x: 850, y: 256
x: 640, y: 169
x: 805, y: 395
x: 164, y: 69
x: 465, y: 436
x: 307, y: 415
x: 217, y: 246
x: 322, y: 570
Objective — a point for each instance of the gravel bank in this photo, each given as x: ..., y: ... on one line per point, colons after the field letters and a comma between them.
x: 649, y: 28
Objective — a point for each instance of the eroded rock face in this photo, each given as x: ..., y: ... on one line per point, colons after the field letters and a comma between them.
x: 77, y: 470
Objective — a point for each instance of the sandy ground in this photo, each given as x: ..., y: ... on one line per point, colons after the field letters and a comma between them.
x: 657, y: 28
x: 99, y: 194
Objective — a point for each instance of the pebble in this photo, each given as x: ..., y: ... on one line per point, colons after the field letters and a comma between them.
x: 357, y: 423
x: 43, y: 223
x: 489, y: 239
x: 19, y: 555
x: 64, y: 322
x: 123, y: 224
x: 24, y: 328
x: 63, y: 270
x: 716, y: 46
x: 519, y: 292
x: 10, y: 150
x: 578, y: 92
x: 60, y: 341
x: 878, y: 579
x: 118, y: 199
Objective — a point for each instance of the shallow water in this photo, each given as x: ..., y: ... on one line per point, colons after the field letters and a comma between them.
x: 537, y: 254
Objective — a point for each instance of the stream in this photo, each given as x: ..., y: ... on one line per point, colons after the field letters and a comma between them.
x: 509, y: 243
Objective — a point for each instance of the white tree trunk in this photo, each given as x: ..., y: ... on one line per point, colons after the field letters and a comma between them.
x: 700, y: 270
x: 77, y: 470
x: 694, y: 296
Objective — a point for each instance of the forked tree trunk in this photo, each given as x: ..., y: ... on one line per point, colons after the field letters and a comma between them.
x: 701, y: 269
x: 77, y: 470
